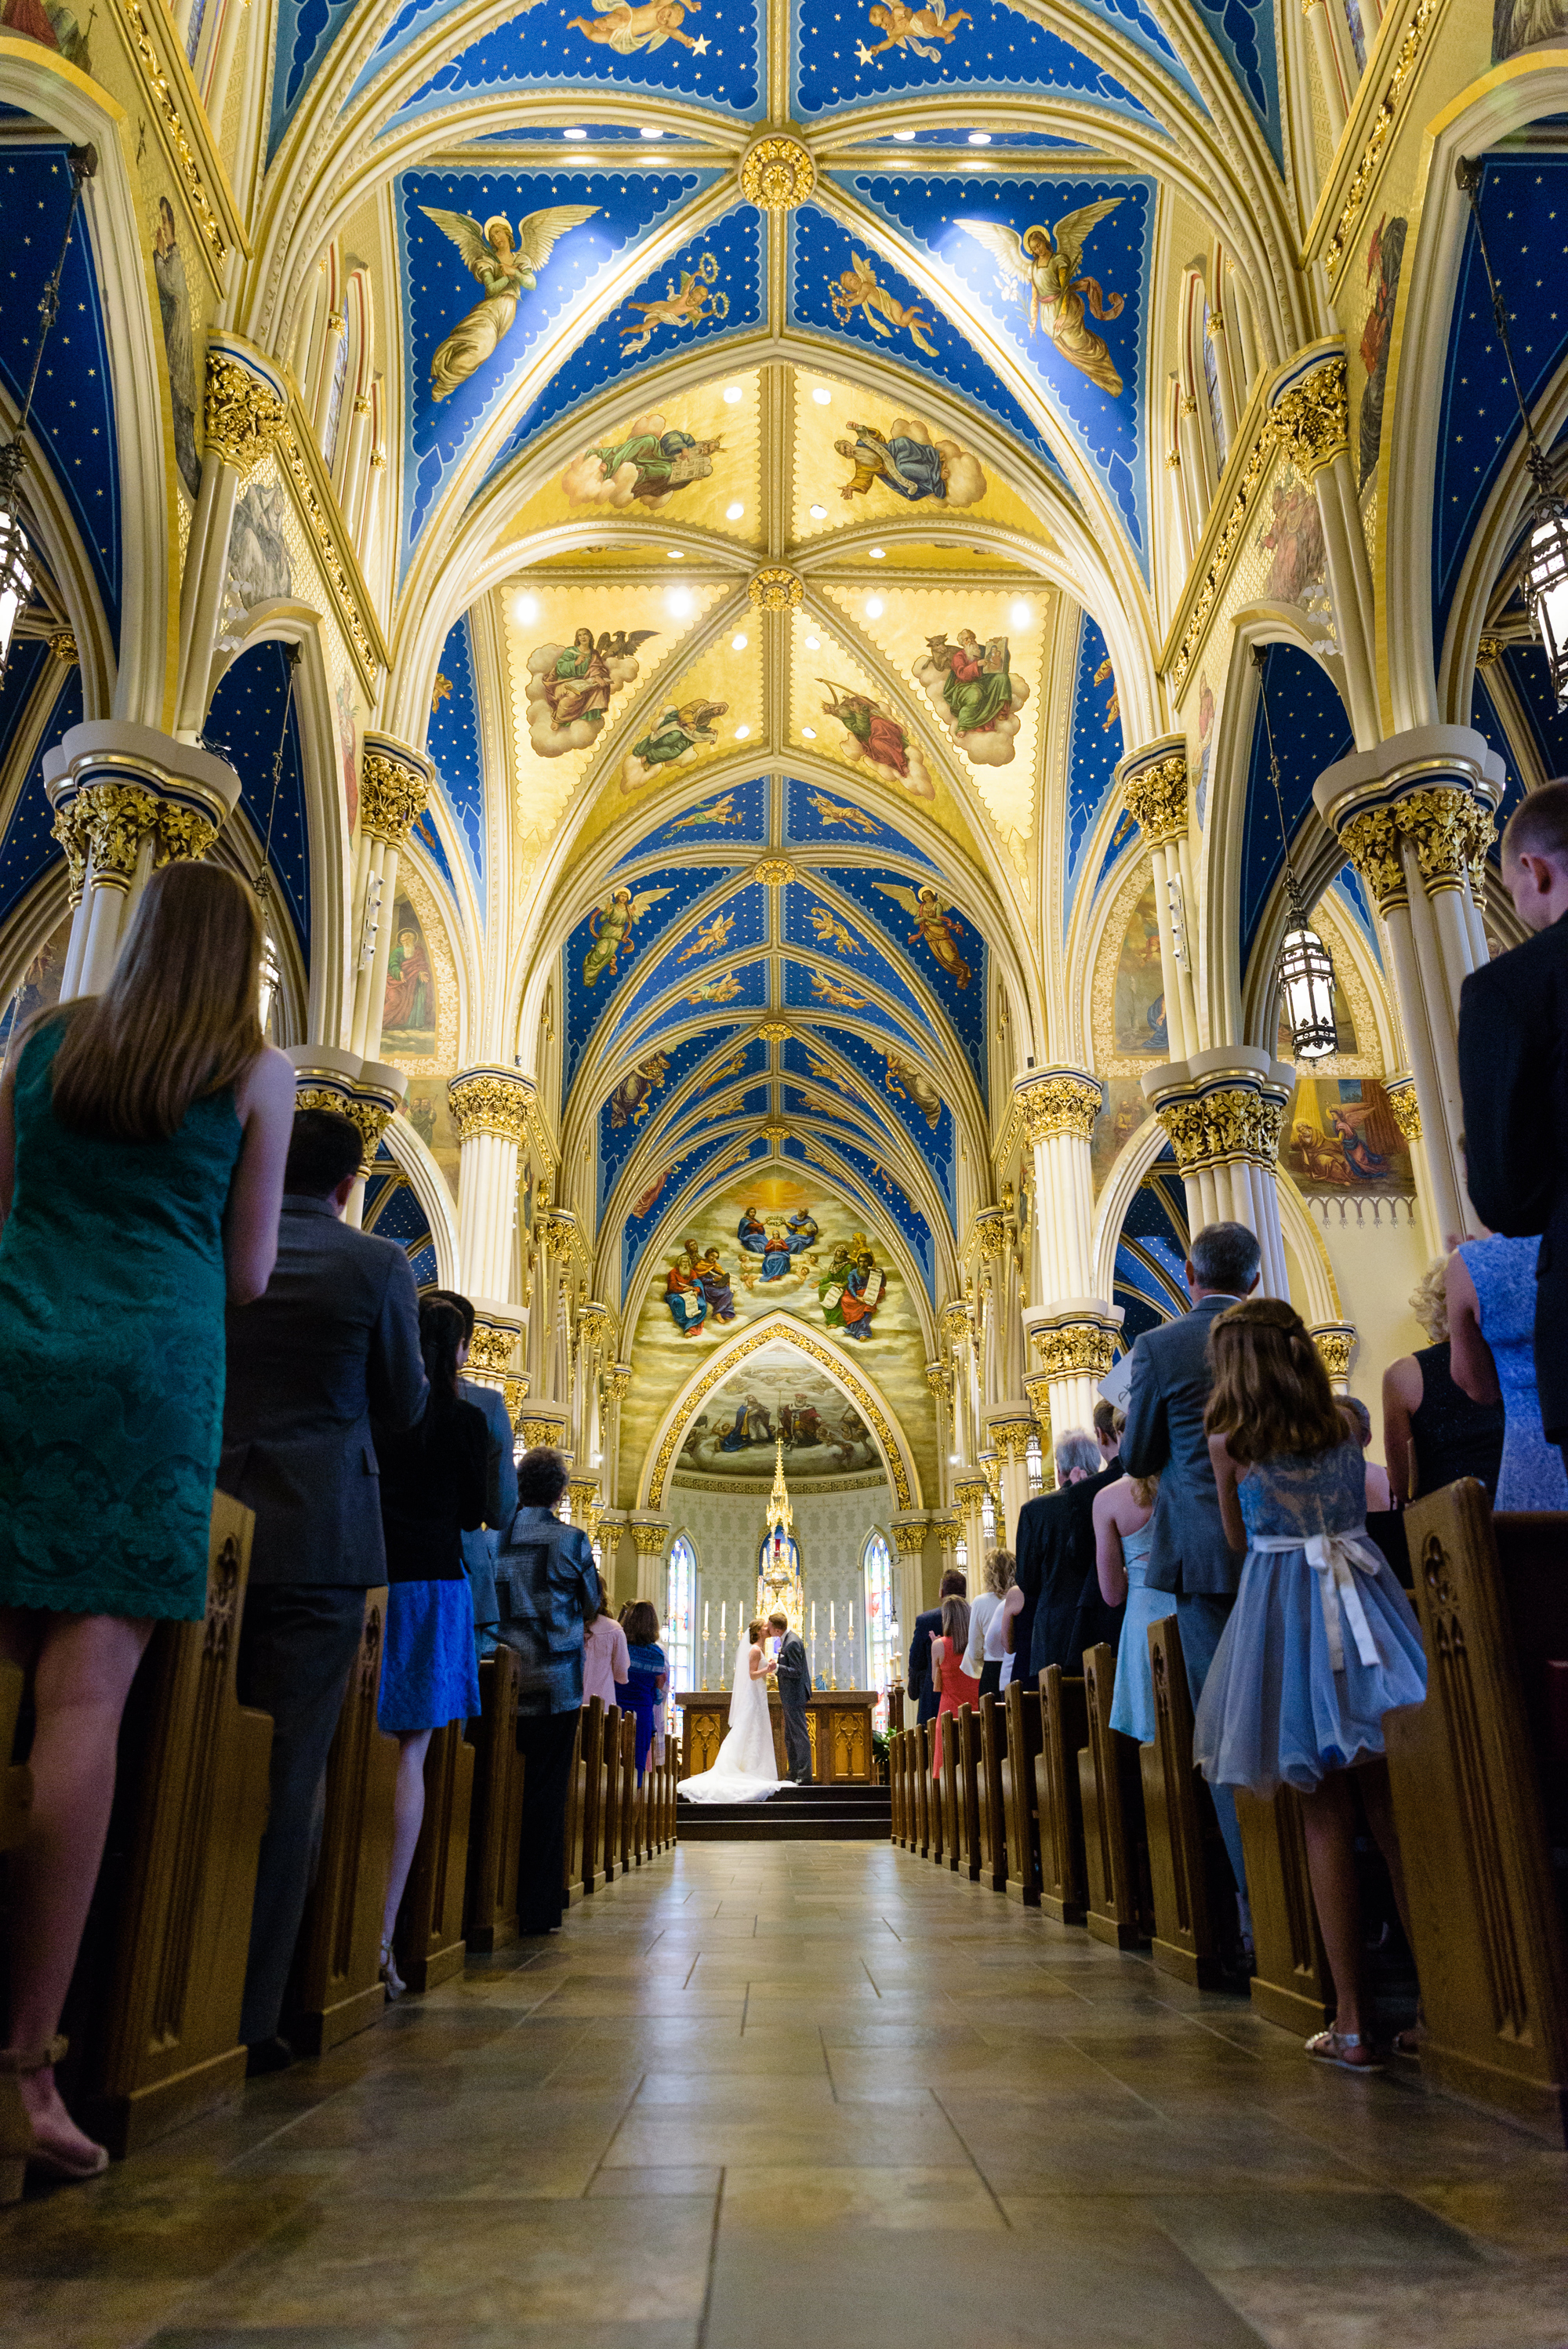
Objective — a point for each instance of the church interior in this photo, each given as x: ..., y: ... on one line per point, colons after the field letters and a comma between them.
x: 869, y: 660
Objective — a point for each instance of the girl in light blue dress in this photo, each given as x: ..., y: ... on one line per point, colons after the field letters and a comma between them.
x: 1491, y: 1343
x: 1321, y: 1642
x: 1123, y: 1535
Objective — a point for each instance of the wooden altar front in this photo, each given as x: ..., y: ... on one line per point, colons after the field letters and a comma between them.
x: 839, y: 1721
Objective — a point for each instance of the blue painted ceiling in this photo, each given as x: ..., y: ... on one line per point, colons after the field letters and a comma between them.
x: 453, y: 743
x: 28, y: 847
x: 245, y: 725
x: 1311, y: 731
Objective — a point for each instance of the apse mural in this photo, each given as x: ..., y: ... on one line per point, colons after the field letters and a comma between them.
x: 408, y: 1008
x: 779, y: 1398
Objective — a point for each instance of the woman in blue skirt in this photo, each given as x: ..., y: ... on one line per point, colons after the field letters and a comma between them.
x: 1322, y: 1642
x: 432, y: 1493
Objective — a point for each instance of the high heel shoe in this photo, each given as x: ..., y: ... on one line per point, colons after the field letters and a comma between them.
x: 22, y: 2062
x: 396, y: 1985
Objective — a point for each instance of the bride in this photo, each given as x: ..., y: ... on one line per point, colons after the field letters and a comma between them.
x: 747, y: 1770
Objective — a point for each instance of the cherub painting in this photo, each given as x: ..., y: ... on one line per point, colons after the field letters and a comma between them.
x: 611, y: 925
x: 910, y: 1082
x: 973, y: 686
x: 826, y: 989
x: 908, y: 462
x: 831, y: 932
x: 932, y: 917
x: 857, y: 289
x: 630, y: 1101
x: 569, y: 687
x: 696, y: 302
x: 678, y: 730
x: 628, y: 31
x: 644, y: 467
x: 853, y: 819
x: 876, y: 739
x: 1053, y: 275
x: 1292, y: 538
x: 723, y: 989
x: 719, y: 810
x: 507, y: 268
x: 824, y: 1074
x: 912, y: 28
x: 709, y: 937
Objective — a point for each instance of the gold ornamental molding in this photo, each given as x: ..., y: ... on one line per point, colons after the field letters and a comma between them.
x: 774, y: 1032
x: 775, y: 588
x: 1374, y: 121
x: 1219, y: 1126
x: 491, y: 1350
x: 777, y: 173
x: 909, y: 1538
x: 1064, y: 1101
x: 63, y: 647
x: 1406, y: 1109
x: 1336, y: 1343
x: 489, y: 1101
x: 1312, y: 420
x: 245, y: 419
x: 394, y: 790
x: 773, y: 872
x: 515, y: 1388
x: 1074, y: 1350
x: 181, y: 120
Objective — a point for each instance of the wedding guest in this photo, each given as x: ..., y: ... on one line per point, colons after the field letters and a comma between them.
x: 1123, y: 1535
x: 433, y: 1489
x: 997, y: 1660
x: 647, y: 1676
x: 143, y: 1134
x: 1056, y: 1552
x: 1378, y: 1496
x: 501, y: 1483
x: 1491, y: 1320
x: 1514, y: 1074
x: 995, y: 1579
x: 549, y: 1589
x: 954, y: 1685
x: 928, y: 1627
x: 1096, y: 1621
x: 332, y: 1346
x: 606, y: 1657
x: 1432, y: 1432
x: 1321, y: 1641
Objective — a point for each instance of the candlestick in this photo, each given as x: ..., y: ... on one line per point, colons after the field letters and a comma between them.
x: 723, y: 1634
x: 814, y: 1643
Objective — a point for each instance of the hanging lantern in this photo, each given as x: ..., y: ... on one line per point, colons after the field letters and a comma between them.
x: 1545, y: 583
x: 1307, y: 983
x: 271, y: 975
x: 15, y: 563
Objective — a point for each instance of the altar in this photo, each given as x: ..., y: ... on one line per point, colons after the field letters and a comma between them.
x: 839, y: 1721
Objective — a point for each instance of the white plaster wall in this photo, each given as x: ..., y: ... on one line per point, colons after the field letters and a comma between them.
x: 1377, y: 1255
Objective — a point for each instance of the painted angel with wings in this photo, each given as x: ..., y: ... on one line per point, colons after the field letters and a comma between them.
x: 1056, y: 287
x: 610, y: 925
x: 929, y: 912
x: 507, y: 268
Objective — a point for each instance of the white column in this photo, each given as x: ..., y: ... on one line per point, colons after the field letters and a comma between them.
x: 1071, y: 1331
x: 394, y: 791
x: 490, y: 1108
x: 1323, y: 49
x: 1223, y: 1111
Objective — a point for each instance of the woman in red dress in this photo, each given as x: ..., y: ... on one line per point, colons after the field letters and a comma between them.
x: 948, y: 1677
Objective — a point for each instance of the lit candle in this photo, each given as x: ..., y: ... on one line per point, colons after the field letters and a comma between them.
x: 723, y: 1619
x: 705, y: 1618
x: 814, y: 1621
x: 833, y: 1619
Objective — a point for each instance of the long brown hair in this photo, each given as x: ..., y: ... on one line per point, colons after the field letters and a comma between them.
x: 179, y: 1019
x: 1271, y: 1391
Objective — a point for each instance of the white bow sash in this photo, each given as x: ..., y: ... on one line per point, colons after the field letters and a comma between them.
x: 1333, y: 1557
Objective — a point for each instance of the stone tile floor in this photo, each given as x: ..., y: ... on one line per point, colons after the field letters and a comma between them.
x: 821, y: 2096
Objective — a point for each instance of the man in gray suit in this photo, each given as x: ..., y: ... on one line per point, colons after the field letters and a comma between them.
x: 1164, y: 1437
x: 333, y: 1341
x: 500, y: 1487
x: 794, y: 1695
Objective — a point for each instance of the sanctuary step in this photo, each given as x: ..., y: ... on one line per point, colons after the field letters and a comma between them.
x: 839, y: 1814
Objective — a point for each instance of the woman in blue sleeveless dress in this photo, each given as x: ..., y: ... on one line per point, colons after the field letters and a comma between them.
x: 1492, y: 1342
x: 1123, y: 1536
x: 142, y: 1141
x: 1321, y: 1642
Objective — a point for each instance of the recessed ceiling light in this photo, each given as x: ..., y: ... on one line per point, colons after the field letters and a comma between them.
x: 737, y: 644
x: 741, y: 732
x: 821, y: 395
x: 1020, y: 615
x: 526, y: 610
x: 879, y: 555
x: 979, y: 139
x: 652, y: 130
x: 813, y: 644
x: 732, y: 393
x: 819, y: 513
x: 809, y: 732
x: 675, y: 553
x: 734, y: 512
x: 873, y: 607
x: 680, y: 601
x: 904, y: 137
x: 575, y: 134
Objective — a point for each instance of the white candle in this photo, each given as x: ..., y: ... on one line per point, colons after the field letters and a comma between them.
x: 833, y: 1619
x: 705, y: 1618
x: 813, y: 1619
x: 722, y: 1617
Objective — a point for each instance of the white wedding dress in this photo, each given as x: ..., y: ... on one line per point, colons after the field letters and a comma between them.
x: 746, y: 1770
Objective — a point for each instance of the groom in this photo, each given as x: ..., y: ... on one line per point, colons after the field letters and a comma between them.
x: 794, y: 1689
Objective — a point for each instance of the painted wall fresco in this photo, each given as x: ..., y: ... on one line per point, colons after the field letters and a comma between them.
x: 37, y: 989
x: 1121, y: 1111
x: 408, y: 1022
x: 1139, y: 993
x: 1340, y: 1135
x: 429, y: 1112
x: 778, y: 1396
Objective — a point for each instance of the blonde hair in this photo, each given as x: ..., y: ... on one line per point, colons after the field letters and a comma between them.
x: 1000, y: 1571
x: 756, y: 1627
x: 180, y: 1018
x: 1271, y: 1391
x: 1145, y: 1490
x: 1430, y: 1300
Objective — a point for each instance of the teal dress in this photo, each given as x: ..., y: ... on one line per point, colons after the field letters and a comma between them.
x: 111, y: 1358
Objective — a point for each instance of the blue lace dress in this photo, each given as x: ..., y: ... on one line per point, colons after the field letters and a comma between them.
x: 1132, y: 1700
x: 1322, y: 1642
x: 1503, y: 1271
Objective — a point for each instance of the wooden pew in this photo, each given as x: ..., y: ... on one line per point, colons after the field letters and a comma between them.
x: 1181, y: 1847
x: 922, y: 1789
x: 1291, y: 1984
x: 895, y: 1708
x: 993, y: 1809
x: 610, y: 1795
x: 335, y: 1987
x: 952, y: 1808
x: 1120, y: 1909
x: 430, y: 1944
x: 1480, y: 1776
x: 194, y: 1781
x: 15, y: 1805
x: 590, y: 1833
x: 939, y: 1823
x: 489, y: 1907
x: 628, y: 1804
x: 1019, y: 1795
x: 895, y: 1783
x: 1058, y: 1801
x: 968, y: 1789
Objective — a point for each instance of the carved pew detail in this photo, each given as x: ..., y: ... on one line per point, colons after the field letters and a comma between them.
x: 1064, y: 1734
x: 1112, y: 1794
x: 489, y: 1909
x: 592, y: 1800
x: 1019, y: 1793
x: 1292, y: 1985
x: 992, y: 1800
x: 1175, y: 1808
x: 922, y: 1789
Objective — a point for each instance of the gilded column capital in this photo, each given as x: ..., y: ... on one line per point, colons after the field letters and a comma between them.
x: 939, y: 1379
x: 1061, y: 1100
x: 618, y: 1381
x: 1441, y: 820
x: 489, y: 1101
x: 1311, y: 420
x: 651, y: 1535
x: 593, y: 1320
x: 955, y: 1324
x: 909, y: 1536
x: 1371, y: 842
x: 1406, y: 1109
x: 245, y: 416
x: 1075, y: 1349
x: 1483, y: 838
x: 1153, y: 786
x: 514, y: 1386
x: 72, y: 828
x: 492, y: 1346
x: 544, y: 1428
x: 63, y: 647
x: 1038, y: 1389
x: 394, y: 789
x: 116, y: 821
x: 1336, y: 1343
x: 585, y: 1492
x: 1227, y: 1123
x: 1011, y: 1438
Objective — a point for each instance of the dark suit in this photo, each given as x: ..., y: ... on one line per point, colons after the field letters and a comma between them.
x: 1513, y: 1072
x: 334, y: 1339
x: 1063, y: 1613
x: 794, y: 1690
x: 500, y: 1508
x: 548, y: 1586
x: 927, y: 1626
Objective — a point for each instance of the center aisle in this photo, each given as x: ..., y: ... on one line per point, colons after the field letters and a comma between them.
x: 822, y: 2097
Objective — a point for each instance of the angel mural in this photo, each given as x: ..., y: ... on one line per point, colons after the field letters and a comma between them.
x: 857, y: 289
x: 1056, y: 287
x: 629, y: 31
x: 876, y: 739
x: 677, y: 730
x: 910, y: 1082
x: 929, y: 913
x: 507, y: 268
x: 826, y: 989
x: 912, y: 28
x: 715, y: 991
x: 645, y: 468
x: 974, y: 685
x: 569, y: 687
x: 831, y: 932
x: 630, y: 1100
x: 611, y: 925
x: 910, y: 463
x: 709, y: 937
x: 696, y: 302
x: 719, y: 810
x: 831, y: 814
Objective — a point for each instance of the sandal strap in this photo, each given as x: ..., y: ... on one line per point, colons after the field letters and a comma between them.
x: 24, y: 2061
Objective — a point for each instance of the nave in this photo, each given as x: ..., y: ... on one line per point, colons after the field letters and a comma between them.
x: 829, y: 2097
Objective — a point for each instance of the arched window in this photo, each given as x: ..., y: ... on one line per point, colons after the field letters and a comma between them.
x: 882, y: 1621
x: 1034, y: 1463
x: 988, y: 1520
x: 680, y: 1613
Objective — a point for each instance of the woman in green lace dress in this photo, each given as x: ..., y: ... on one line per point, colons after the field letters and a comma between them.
x: 143, y: 1134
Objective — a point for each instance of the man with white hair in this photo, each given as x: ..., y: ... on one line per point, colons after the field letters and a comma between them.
x: 1055, y: 1553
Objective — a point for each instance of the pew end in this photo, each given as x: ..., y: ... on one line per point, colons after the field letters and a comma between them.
x: 430, y: 1944
x: 489, y: 1897
x: 1185, y: 1859
x: 1019, y: 1793
x: 1291, y: 1984
x: 1120, y: 1905
x: 1058, y: 1799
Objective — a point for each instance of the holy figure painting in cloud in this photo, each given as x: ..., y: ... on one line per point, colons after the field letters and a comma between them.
x: 1058, y: 292
x: 974, y: 685
x: 630, y: 1101
x: 876, y: 739
x: 646, y: 466
x: 569, y: 687
x: 507, y: 267
x: 610, y: 925
x: 680, y: 730
x: 908, y: 462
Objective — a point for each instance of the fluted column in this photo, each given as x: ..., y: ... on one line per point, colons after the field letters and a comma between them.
x: 1414, y: 815
x: 126, y: 800
x: 490, y: 1109
x: 1310, y: 416
x: 939, y: 1379
x: 394, y: 791
x: 652, y: 1535
x: 1009, y: 1437
x: 917, y: 1574
x: 1153, y: 786
x: 1071, y: 1330
x: 618, y: 1381
x: 1322, y: 32
x: 1223, y: 1111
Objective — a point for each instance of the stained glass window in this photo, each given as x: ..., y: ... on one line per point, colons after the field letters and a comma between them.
x: 680, y: 1614
x: 882, y: 1623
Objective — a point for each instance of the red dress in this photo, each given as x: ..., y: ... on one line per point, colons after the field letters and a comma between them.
x: 958, y: 1687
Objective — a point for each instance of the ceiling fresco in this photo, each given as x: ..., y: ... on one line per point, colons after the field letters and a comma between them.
x: 778, y: 1397
x: 846, y: 55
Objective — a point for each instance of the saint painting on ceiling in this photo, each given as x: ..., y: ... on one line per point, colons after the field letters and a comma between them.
x: 1058, y: 292
x: 507, y: 267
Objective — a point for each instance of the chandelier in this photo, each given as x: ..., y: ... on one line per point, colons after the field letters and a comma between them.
x: 1544, y: 581
x: 15, y: 554
x: 1305, y: 968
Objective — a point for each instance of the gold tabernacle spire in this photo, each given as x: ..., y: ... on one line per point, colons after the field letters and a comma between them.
x: 779, y: 1581
x: 779, y: 1513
